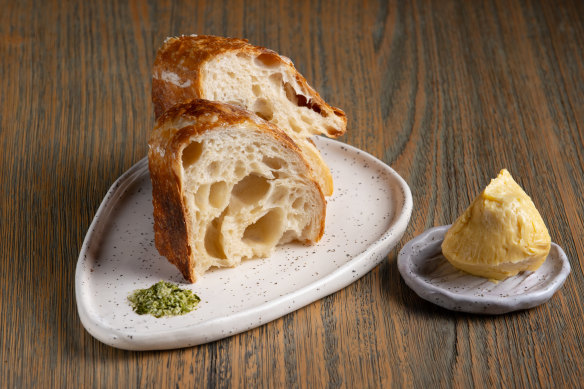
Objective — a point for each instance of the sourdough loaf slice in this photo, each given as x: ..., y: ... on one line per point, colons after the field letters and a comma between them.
x: 255, y: 78
x: 226, y: 186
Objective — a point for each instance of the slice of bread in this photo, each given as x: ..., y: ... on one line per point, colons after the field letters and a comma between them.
x: 255, y: 78
x: 227, y: 185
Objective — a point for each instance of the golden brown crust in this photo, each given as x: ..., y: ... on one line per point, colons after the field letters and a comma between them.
x: 177, y: 72
x: 201, y: 112
x: 171, y: 135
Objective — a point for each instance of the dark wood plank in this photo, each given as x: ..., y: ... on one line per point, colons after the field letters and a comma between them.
x: 447, y: 93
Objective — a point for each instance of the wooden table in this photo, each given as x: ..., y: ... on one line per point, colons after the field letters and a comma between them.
x: 446, y: 92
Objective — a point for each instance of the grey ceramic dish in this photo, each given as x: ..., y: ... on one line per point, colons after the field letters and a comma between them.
x: 425, y: 270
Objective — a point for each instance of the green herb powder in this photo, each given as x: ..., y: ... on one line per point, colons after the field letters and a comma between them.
x: 163, y: 299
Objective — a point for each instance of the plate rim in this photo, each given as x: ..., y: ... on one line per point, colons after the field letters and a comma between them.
x: 341, y: 276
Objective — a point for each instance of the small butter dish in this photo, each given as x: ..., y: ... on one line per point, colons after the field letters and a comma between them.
x: 425, y: 270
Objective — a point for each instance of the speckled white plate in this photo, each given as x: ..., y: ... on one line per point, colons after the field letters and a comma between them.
x: 366, y: 217
x: 433, y: 278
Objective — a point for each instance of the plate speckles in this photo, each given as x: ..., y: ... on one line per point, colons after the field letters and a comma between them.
x: 366, y: 217
x: 425, y: 270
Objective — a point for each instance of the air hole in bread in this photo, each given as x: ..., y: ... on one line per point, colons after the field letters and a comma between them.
x: 306, y: 119
x: 288, y: 236
x: 218, y: 194
x: 269, y: 60
x: 191, y: 154
x: 213, y: 244
x: 297, y: 204
x: 308, y: 103
x: 267, y: 230
x: 290, y: 93
x: 256, y: 90
x: 202, y: 196
x: 276, y: 79
x: 273, y: 163
x: 213, y: 168
x: 263, y: 108
x: 239, y: 171
x: 301, y: 100
x: 278, y: 194
x: 251, y: 189
x: 294, y: 125
x: 330, y: 130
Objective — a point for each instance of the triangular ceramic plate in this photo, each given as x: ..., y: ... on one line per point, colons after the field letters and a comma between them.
x: 366, y: 217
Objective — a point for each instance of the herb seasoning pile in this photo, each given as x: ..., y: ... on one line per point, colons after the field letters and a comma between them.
x: 163, y: 299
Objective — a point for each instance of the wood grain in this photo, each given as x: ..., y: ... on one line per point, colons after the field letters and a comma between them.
x: 446, y: 92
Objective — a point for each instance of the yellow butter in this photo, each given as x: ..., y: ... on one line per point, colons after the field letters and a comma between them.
x: 500, y: 234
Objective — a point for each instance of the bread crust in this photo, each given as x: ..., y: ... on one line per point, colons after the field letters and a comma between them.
x: 177, y: 72
x: 172, y: 134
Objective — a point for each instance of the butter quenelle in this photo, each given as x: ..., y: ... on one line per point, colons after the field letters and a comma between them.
x: 500, y: 234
